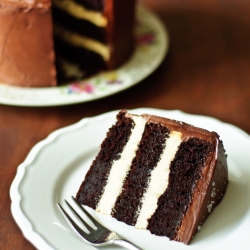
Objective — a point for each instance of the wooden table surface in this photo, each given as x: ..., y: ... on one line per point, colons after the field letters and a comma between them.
x: 207, y: 72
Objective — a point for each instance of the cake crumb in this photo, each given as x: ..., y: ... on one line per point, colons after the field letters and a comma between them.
x: 210, y: 206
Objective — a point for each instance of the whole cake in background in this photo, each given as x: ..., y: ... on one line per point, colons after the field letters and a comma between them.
x: 39, y: 39
x: 157, y: 174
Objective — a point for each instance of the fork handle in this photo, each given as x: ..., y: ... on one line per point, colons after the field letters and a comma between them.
x: 126, y: 244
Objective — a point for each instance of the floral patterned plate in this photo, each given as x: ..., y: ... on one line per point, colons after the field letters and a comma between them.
x: 151, y: 46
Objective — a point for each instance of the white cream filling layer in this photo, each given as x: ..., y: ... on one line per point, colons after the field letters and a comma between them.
x: 82, y: 41
x: 121, y: 167
x: 158, y: 182
x: 80, y: 12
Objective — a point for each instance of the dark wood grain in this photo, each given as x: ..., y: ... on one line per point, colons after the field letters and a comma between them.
x: 207, y: 71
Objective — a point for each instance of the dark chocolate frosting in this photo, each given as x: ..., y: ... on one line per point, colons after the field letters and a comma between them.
x: 208, y: 193
x: 26, y: 42
x: 121, y: 19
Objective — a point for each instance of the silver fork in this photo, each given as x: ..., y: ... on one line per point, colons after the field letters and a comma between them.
x: 98, y: 236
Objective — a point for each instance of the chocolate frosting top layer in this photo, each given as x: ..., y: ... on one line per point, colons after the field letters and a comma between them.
x: 186, y: 129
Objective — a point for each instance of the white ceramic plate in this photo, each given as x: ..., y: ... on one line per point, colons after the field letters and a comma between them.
x: 151, y: 46
x: 55, y: 168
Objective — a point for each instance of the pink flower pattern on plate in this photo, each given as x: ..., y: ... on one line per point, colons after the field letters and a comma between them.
x: 80, y: 87
x: 145, y: 39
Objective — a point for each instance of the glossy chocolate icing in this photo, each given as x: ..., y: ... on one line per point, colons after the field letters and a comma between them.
x: 26, y: 42
x: 207, y: 195
x: 121, y: 18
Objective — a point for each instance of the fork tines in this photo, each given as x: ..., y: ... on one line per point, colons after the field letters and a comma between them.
x: 97, y: 235
x: 93, y: 234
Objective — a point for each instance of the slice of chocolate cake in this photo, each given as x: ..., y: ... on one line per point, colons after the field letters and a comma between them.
x: 157, y: 174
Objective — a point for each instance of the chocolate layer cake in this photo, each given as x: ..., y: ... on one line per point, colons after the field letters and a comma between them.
x: 39, y: 38
x: 157, y: 174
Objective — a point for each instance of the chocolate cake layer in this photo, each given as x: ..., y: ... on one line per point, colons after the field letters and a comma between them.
x: 88, y: 62
x: 185, y: 171
x: 96, y: 5
x: 111, y: 148
x: 80, y: 26
x: 209, y: 192
x: 147, y: 156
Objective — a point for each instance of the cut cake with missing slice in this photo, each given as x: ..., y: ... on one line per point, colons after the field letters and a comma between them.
x: 46, y: 42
